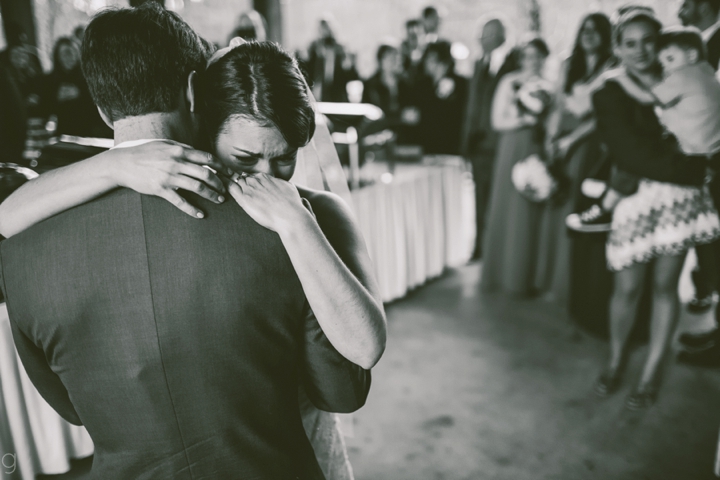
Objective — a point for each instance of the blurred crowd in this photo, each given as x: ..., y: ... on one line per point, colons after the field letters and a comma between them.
x: 38, y: 105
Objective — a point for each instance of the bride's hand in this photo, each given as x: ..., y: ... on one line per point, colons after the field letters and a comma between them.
x: 273, y: 203
x: 160, y: 168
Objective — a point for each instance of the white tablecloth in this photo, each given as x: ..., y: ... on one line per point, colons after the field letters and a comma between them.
x: 33, y: 438
x: 418, y: 224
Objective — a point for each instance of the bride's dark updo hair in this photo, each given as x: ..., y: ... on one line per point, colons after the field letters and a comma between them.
x: 261, y: 82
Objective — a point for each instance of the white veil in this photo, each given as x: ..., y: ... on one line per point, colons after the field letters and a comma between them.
x: 318, y: 165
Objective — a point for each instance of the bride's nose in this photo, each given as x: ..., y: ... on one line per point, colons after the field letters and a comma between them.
x: 263, y: 166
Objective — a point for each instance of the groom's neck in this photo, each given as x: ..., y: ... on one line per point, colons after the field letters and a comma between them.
x: 168, y: 126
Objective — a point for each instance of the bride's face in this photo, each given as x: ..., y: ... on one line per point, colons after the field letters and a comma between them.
x: 245, y: 146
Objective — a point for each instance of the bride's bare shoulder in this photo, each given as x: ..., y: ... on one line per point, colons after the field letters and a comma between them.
x: 330, y: 209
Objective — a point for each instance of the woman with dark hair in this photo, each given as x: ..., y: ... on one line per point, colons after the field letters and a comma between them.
x: 441, y: 96
x: 572, y: 147
x: 66, y: 94
x: 653, y: 228
x: 510, y: 247
x: 330, y: 66
x: 388, y: 89
x: 257, y: 115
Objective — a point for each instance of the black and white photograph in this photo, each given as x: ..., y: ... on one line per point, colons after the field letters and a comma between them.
x: 359, y: 239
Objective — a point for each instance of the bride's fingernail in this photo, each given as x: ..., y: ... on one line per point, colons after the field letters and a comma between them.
x: 200, y: 215
x: 221, y: 199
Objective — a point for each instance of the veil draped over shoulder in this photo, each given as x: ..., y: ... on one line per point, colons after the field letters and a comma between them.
x: 318, y: 165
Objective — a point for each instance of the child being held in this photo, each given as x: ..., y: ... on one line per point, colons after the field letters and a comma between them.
x: 688, y: 101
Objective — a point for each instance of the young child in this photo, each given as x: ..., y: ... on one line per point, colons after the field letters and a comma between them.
x: 688, y: 104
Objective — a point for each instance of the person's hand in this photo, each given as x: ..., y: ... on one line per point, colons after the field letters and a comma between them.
x: 273, y: 203
x: 160, y: 168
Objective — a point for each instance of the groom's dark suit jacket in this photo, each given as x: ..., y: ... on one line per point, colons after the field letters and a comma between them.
x: 179, y: 343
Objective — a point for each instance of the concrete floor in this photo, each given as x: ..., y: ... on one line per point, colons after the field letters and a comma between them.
x: 476, y: 387
x: 487, y: 387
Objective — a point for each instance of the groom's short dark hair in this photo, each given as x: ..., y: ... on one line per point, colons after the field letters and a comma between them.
x: 136, y: 61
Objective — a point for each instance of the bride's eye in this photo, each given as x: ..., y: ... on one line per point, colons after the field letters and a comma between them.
x: 286, y: 160
x: 246, y: 160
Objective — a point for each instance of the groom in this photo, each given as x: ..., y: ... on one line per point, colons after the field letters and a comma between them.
x: 179, y: 344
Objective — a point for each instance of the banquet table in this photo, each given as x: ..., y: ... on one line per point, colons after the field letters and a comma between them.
x: 33, y: 438
x: 417, y: 220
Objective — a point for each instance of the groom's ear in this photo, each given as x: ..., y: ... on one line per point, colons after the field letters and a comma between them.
x: 106, y: 119
x: 190, y: 93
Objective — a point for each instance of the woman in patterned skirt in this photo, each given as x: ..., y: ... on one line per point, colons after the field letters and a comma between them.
x: 670, y: 212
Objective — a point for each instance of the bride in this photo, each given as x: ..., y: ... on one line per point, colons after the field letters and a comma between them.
x: 256, y: 112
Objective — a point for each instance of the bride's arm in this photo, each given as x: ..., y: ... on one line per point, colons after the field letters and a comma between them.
x: 330, y: 259
x: 171, y: 166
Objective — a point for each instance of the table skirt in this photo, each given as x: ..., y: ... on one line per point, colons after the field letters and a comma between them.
x: 416, y: 225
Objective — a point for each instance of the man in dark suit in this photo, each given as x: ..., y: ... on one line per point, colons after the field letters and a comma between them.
x: 704, y: 349
x: 478, y: 138
x: 179, y: 344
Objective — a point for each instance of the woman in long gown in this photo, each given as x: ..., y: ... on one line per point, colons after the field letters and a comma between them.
x: 243, y: 86
x: 512, y: 235
x: 571, y: 143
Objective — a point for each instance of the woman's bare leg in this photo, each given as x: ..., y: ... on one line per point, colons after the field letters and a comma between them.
x: 665, y: 311
x: 623, y: 310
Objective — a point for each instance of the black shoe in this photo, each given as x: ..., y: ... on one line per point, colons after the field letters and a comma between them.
x: 700, y: 304
x: 641, y: 398
x: 592, y: 220
x: 607, y: 383
x: 709, y: 358
x: 701, y: 341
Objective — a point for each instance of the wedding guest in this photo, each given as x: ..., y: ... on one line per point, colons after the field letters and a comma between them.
x: 251, y: 26
x: 329, y: 65
x: 572, y: 146
x: 441, y: 97
x: 654, y: 227
x: 510, y: 248
x: 412, y: 48
x: 431, y: 24
x: 387, y: 88
x: 66, y: 94
x: 703, y: 14
x: 479, y: 141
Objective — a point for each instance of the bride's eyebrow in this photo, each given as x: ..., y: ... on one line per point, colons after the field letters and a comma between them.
x: 247, y: 152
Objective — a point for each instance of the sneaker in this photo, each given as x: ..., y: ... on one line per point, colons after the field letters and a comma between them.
x: 592, y: 220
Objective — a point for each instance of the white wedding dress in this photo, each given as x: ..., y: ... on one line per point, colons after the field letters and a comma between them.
x: 318, y: 167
